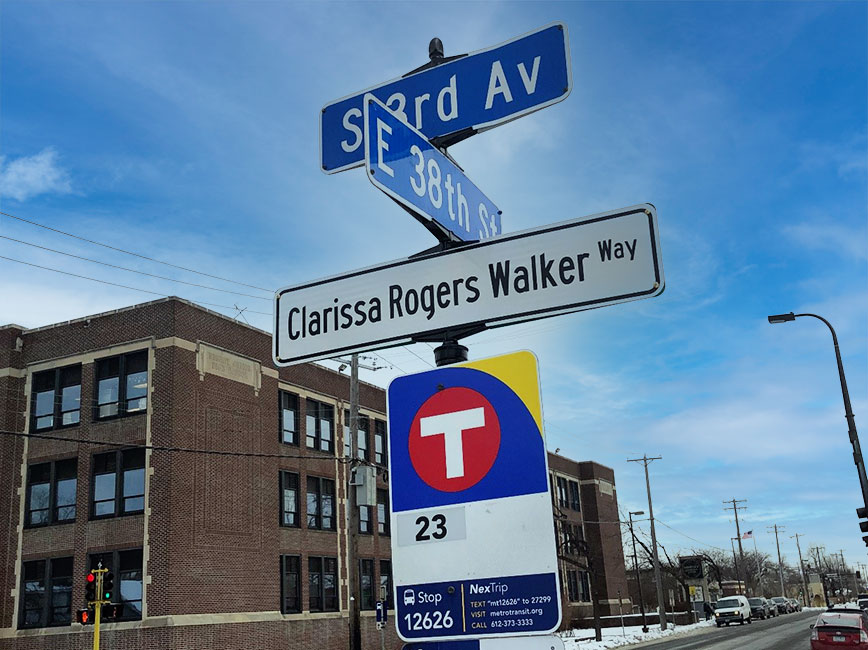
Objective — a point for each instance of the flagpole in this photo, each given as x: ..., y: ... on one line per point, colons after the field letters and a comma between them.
x: 759, y: 575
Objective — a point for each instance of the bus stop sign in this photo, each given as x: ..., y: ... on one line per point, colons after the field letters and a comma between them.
x: 473, y: 547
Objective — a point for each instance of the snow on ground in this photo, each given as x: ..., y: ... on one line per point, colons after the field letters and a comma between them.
x: 614, y: 637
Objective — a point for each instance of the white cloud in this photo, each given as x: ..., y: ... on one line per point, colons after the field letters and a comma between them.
x: 831, y: 236
x: 30, y: 176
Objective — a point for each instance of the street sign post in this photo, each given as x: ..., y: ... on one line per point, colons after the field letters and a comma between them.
x: 585, y: 263
x: 473, y: 546
x: 469, y: 94
x: 401, y: 162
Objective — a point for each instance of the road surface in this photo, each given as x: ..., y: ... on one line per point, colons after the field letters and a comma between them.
x: 786, y: 632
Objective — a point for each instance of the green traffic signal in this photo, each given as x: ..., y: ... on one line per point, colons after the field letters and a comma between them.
x: 108, y: 585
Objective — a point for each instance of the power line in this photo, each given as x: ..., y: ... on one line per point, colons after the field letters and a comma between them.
x: 692, y: 539
x: 139, y: 255
x: 406, y: 347
x: 124, y: 268
x: 123, y: 286
x: 186, y: 450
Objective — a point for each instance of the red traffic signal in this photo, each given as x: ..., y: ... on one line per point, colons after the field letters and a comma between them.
x: 85, y: 616
x: 90, y: 588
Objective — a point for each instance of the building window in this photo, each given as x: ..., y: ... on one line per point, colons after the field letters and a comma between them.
x: 288, y: 499
x: 118, y: 483
x: 56, y: 398
x: 127, y: 567
x: 386, y: 582
x: 46, y: 593
x: 320, y: 503
x: 121, y: 385
x: 288, y: 418
x: 380, y: 455
x: 574, y: 496
x: 552, y: 488
x: 51, y: 491
x: 319, y: 425
x: 584, y: 586
x: 573, y: 585
x: 366, y: 584
x: 322, y: 575
x: 365, y: 520
x: 383, y: 512
x: 290, y: 585
x: 563, y: 499
x: 361, y: 437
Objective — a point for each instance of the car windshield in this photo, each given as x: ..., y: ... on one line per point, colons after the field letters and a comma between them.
x: 756, y: 601
x: 728, y: 602
x: 779, y: 599
x: 839, y: 620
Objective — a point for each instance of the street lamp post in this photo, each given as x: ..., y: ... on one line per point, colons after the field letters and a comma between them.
x: 636, y: 568
x: 848, y: 411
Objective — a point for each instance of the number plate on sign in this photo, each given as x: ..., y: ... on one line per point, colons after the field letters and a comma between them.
x: 440, y: 525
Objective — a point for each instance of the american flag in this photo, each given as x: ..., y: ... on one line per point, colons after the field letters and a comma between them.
x: 747, y: 535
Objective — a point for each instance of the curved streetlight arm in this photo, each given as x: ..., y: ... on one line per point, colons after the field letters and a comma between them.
x: 848, y: 410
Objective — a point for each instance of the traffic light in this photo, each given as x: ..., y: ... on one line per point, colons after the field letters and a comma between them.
x: 862, y: 513
x: 85, y: 616
x: 108, y: 585
x: 112, y: 611
x: 90, y: 588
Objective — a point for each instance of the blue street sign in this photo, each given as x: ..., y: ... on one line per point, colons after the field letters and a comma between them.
x: 473, y: 547
x: 402, y: 163
x: 382, y: 612
x: 475, y: 92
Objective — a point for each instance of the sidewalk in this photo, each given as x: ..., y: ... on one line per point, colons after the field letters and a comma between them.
x: 613, y: 637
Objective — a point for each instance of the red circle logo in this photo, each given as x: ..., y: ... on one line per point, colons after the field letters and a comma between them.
x: 454, y: 439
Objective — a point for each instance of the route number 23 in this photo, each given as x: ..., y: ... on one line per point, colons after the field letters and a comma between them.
x: 438, y: 521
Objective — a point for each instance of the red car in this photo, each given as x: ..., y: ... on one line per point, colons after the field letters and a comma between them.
x: 839, y: 630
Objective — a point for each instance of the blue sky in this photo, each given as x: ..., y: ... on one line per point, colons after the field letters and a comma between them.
x: 189, y: 132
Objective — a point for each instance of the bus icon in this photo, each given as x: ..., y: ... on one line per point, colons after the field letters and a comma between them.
x: 409, y: 597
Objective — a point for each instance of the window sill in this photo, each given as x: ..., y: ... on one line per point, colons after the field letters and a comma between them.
x: 119, y: 416
x: 48, y: 525
x: 118, y: 516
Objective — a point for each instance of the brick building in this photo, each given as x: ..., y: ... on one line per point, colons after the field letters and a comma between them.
x: 208, y: 550
x: 585, y: 507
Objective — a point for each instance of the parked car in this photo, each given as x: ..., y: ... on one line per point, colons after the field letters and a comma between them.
x: 782, y: 603
x: 760, y: 608
x: 732, y: 609
x: 838, y: 629
x: 797, y: 606
x: 862, y: 602
x: 841, y: 609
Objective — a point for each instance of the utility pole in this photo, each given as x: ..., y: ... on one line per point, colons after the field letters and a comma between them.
x: 735, y: 561
x: 636, y: 568
x: 353, y: 586
x: 778, y: 529
x: 735, y: 509
x: 802, y: 570
x: 821, y: 571
x: 661, y: 608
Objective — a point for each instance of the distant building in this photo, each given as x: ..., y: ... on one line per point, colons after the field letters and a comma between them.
x: 209, y: 550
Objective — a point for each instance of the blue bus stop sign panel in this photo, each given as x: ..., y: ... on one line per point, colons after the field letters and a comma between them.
x: 478, y: 91
x: 473, y: 546
x: 401, y: 162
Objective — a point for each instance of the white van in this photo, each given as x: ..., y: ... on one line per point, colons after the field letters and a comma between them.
x: 732, y: 609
